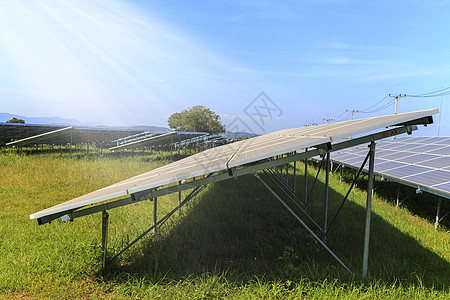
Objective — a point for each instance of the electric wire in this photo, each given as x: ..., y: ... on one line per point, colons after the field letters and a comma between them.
x: 437, y: 93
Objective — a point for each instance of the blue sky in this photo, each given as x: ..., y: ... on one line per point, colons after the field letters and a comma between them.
x: 137, y: 62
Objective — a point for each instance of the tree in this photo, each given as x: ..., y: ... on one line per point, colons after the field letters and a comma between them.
x: 197, y: 118
x: 16, y: 121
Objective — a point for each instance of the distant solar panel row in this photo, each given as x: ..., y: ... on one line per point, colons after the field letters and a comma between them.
x: 160, y: 140
x: 31, y: 134
x: 418, y: 161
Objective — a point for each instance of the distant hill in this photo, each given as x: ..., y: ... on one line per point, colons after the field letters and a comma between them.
x: 72, y: 122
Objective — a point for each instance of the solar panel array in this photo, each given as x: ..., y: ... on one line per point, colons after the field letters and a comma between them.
x: 159, y: 140
x: 10, y: 132
x: 31, y: 134
x: 237, y: 154
x: 416, y: 161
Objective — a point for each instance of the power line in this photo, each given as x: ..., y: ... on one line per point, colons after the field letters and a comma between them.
x: 437, y: 93
x: 367, y: 109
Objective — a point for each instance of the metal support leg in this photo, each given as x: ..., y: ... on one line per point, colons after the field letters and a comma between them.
x: 295, y: 178
x: 306, y: 183
x: 436, y: 224
x: 398, y: 196
x: 71, y: 139
x: 179, y: 199
x: 155, y: 207
x: 325, y: 204
x: 368, y: 210
x: 171, y: 148
x: 105, y: 217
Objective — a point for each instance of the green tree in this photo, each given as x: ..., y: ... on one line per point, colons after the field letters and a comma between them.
x: 197, y: 118
x: 16, y: 121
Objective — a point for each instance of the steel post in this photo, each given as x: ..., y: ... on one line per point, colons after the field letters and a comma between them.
x: 179, y: 198
x: 436, y: 224
x: 306, y: 183
x: 155, y: 207
x: 105, y: 217
x: 368, y: 210
x: 325, y: 204
x: 71, y: 139
x: 398, y: 196
x: 295, y: 178
x: 171, y: 147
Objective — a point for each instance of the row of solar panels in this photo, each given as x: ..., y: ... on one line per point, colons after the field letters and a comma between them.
x: 421, y: 162
x: 29, y: 135
x: 230, y: 156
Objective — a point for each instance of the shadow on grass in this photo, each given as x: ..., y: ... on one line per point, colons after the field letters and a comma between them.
x: 237, y: 229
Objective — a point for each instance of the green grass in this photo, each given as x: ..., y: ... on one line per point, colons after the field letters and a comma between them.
x: 234, y: 240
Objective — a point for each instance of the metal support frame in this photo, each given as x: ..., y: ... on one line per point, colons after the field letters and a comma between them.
x: 325, y: 204
x: 155, y: 217
x: 161, y: 221
x: 306, y: 181
x: 179, y: 199
x: 219, y: 176
x: 303, y: 223
x: 199, y: 184
x: 105, y: 217
x: 308, y: 196
x: 438, y: 210
x: 368, y: 210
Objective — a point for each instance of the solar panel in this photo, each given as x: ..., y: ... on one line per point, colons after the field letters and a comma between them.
x: 416, y: 158
x: 238, y: 154
x: 384, y: 153
x: 443, y: 187
x: 426, y: 165
x: 406, y: 146
x: 26, y: 135
x: 160, y: 140
x: 438, y: 162
x: 437, y: 140
x: 388, y: 165
x: 395, y: 156
x: 430, y: 178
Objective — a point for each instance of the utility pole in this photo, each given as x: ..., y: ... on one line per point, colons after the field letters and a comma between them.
x: 351, y: 118
x: 440, y: 114
x: 328, y: 119
x: 396, y: 100
x: 351, y: 111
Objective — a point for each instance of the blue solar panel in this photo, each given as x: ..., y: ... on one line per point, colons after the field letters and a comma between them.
x: 388, y: 165
x: 406, y: 147
x: 424, y: 161
x: 397, y: 155
x: 416, y: 158
x: 438, y: 163
x: 423, y: 149
x: 431, y: 178
x: 441, y: 150
x: 407, y: 170
x: 437, y: 140
x: 444, y: 187
x: 384, y: 153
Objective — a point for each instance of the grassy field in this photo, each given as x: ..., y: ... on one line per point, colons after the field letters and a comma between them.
x: 234, y: 240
